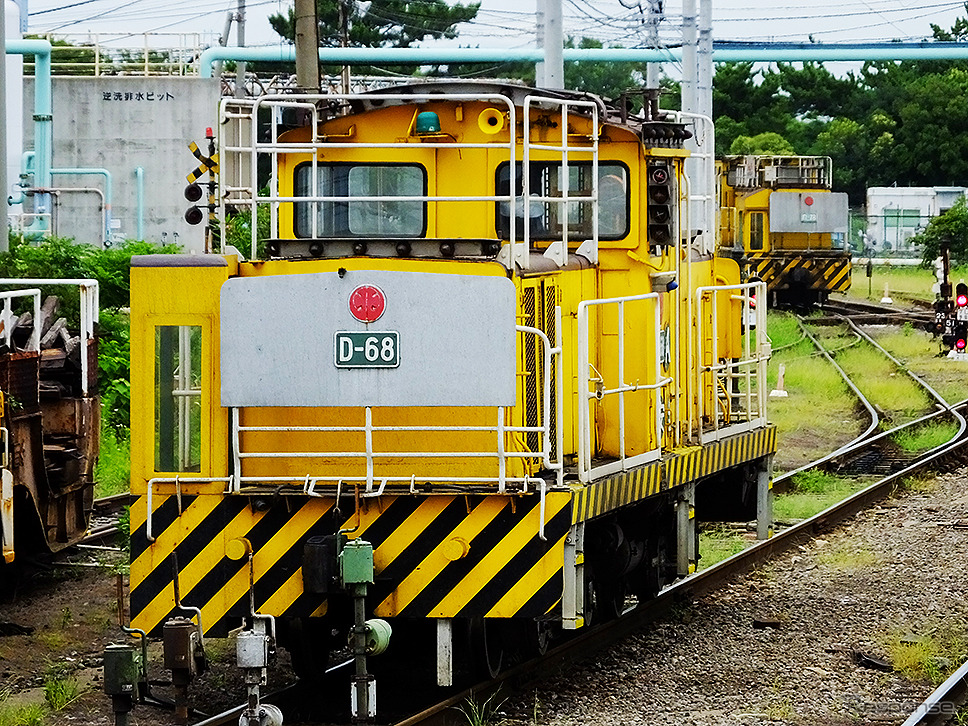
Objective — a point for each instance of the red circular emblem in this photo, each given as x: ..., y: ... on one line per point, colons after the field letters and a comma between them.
x: 808, y: 201
x: 367, y: 303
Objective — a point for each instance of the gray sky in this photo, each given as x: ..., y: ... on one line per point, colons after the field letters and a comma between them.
x: 510, y: 23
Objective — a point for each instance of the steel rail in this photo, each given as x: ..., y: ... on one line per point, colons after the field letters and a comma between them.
x: 942, y: 706
x: 865, y: 440
x: 875, y: 419
x: 701, y: 583
x: 914, y: 376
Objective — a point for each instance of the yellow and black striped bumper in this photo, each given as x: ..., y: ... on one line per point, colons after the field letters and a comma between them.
x: 434, y: 556
x: 815, y: 271
x: 681, y: 467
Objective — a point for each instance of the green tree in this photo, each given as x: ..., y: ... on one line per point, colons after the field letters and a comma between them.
x: 604, y: 79
x: 766, y: 143
x: 68, y: 59
x: 949, y: 229
x: 381, y: 23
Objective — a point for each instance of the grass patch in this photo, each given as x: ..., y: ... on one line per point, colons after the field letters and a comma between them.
x: 113, y: 469
x: 816, y: 482
x: 52, y: 639
x: 903, y: 282
x: 886, y: 387
x: 919, y: 352
x: 783, y: 329
x: 482, y: 714
x: 848, y: 558
x: 60, y: 689
x: 818, y: 414
x: 802, y: 504
x: 30, y: 715
x: 717, y: 544
x: 925, y: 437
x: 919, y: 484
x: 932, y: 654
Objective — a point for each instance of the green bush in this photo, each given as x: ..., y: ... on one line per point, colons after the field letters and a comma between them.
x: 60, y: 257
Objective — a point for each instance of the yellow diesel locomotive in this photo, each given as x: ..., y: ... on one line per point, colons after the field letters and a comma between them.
x: 482, y: 377
x: 780, y: 220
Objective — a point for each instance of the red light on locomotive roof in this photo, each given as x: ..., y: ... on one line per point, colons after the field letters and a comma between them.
x: 808, y: 201
x: 367, y: 303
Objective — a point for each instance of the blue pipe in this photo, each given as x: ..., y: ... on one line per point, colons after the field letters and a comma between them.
x: 26, y: 170
x: 139, y: 175
x: 758, y: 52
x: 43, y: 127
x: 108, y: 192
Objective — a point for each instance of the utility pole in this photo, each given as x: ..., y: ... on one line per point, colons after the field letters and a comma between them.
x: 240, y: 68
x: 689, y: 56
x: 653, y: 71
x: 704, y: 60
x: 344, y: 41
x: 307, y: 45
x: 554, y: 39
x: 224, y: 41
x: 5, y: 238
x: 539, y: 39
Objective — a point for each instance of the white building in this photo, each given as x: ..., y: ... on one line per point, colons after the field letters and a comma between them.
x: 895, y: 214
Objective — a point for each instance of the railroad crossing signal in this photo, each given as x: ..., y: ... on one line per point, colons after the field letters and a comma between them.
x: 209, y: 163
x: 194, y: 192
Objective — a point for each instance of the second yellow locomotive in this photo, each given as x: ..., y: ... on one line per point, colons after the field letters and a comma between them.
x: 482, y: 373
x: 780, y: 220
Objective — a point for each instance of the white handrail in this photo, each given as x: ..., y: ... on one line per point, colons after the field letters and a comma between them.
x: 585, y: 470
x: 559, y: 253
x: 308, y: 103
x: 371, y: 457
x: 719, y: 374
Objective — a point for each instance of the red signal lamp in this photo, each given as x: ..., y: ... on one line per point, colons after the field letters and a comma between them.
x: 961, y: 300
x: 960, y: 344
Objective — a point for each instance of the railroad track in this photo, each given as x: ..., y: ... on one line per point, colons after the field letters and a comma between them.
x: 869, y: 454
x: 706, y: 581
x: 866, y: 313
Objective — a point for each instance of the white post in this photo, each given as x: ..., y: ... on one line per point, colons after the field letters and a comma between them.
x: 653, y: 70
x: 5, y: 238
x: 445, y: 652
x: 689, y: 56
x: 539, y: 41
x: 554, y: 65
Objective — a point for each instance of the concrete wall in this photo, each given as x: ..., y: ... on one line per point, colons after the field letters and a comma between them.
x: 120, y: 124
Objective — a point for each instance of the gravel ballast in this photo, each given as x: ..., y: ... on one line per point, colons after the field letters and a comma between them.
x: 895, y: 571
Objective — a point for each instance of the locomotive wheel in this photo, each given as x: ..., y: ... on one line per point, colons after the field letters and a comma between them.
x: 487, y: 645
x: 652, y: 576
x: 542, y: 633
x: 611, y: 599
x: 308, y: 641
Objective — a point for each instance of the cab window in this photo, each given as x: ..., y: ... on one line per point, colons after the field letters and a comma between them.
x: 546, y: 218
x: 383, y: 217
x: 178, y: 398
x: 757, y: 224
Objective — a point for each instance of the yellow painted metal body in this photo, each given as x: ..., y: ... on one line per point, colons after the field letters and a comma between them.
x: 458, y: 550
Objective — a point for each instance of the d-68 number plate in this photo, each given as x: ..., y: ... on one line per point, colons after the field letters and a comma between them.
x: 367, y: 350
